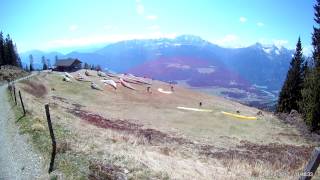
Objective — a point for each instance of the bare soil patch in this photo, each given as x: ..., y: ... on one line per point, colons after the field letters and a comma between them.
x: 36, y: 89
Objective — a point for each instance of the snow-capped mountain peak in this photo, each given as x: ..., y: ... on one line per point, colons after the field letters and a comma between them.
x: 190, y: 39
x: 269, y: 49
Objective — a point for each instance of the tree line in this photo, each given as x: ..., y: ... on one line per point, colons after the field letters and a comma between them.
x: 301, y: 89
x: 46, y: 64
x: 92, y: 67
x: 8, y: 52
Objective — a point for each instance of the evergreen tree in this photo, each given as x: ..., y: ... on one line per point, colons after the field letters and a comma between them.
x: 305, y: 68
x: 48, y: 63
x: 309, y: 99
x: 31, y: 62
x: 310, y: 103
x: 19, y: 63
x: 56, y: 59
x: 86, y: 66
x: 8, y: 58
x: 290, y: 94
x: 316, y: 36
x: 44, y: 63
x: 11, y: 56
x: 26, y: 68
x: 2, y: 61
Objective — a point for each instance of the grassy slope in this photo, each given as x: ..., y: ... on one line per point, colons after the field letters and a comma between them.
x: 157, y: 111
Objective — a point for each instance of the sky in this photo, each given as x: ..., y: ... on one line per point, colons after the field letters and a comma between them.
x: 56, y: 24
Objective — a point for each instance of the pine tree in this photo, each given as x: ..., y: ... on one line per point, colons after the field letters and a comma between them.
x: 290, y: 94
x: 86, y: 66
x: 2, y: 62
x: 31, y: 62
x: 316, y: 36
x: 48, y: 63
x: 310, y: 103
x: 26, y: 68
x: 305, y: 68
x: 55, y: 59
x: 11, y: 56
x: 44, y: 62
x: 7, y: 51
x: 18, y: 61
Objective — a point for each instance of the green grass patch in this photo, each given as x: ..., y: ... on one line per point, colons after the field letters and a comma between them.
x: 74, y: 166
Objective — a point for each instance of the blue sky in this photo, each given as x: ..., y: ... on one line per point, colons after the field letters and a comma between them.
x: 52, y: 24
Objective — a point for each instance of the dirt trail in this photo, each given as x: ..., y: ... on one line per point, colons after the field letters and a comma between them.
x: 17, y: 159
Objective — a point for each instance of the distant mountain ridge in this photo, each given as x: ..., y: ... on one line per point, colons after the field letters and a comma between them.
x: 190, y: 58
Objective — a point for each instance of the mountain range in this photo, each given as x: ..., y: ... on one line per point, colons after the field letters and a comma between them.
x: 258, y: 69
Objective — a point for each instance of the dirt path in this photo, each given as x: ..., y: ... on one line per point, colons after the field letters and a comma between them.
x: 17, y: 159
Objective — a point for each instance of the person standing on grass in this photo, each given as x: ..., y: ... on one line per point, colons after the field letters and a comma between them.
x: 171, y: 86
x: 148, y: 89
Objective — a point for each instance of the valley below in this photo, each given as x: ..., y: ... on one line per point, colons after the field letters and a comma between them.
x: 259, y: 98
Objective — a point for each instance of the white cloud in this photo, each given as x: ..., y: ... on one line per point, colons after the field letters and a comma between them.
x: 152, y: 17
x: 260, y: 24
x: 140, y: 9
x: 154, y: 27
x: 242, y: 19
x: 280, y: 42
x: 73, y: 28
x: 81, y: 41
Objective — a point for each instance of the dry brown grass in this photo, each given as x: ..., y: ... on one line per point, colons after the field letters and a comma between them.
x: 99, y: 171
x: 35, y: 88
x: 11, y: 73
x: 287, y: 158
x: 145, y: 133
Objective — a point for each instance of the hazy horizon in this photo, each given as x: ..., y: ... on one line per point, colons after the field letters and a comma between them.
x: 52, y: 25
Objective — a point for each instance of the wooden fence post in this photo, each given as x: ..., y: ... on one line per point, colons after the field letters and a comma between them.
x: 312, y: 165
x: 10, y: 88
x: 24, y: 111
x: 14, y: 93
x: 53, y: 139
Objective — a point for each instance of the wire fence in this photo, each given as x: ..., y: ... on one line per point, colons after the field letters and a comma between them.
x: 13, y: 93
